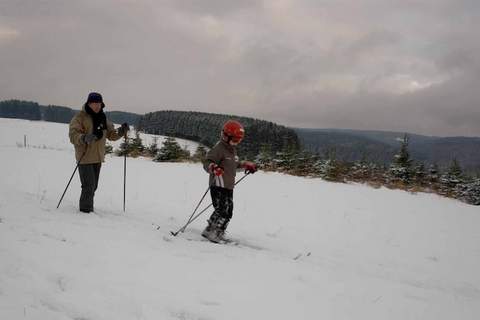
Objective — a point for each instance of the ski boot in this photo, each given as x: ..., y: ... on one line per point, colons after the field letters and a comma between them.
x: 209, y: 231
x: 216, y: 231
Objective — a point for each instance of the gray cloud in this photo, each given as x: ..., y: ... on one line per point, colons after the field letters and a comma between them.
x: 391, y: 65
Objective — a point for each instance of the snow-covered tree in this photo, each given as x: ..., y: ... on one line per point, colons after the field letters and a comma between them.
x: 303, y: 164
x: 419, y: 174
x: 328, y: 168
x: 200, y: 153
x: 433, y: 175
x: 170, y: 151
x: 285, y: 160
x: 401, y: 167
x: 152, y: 149
x: 452, y: 177
x: 136, y: 145
x: 470, y: 191
x: 361, y: 170
x: 264, y: 159
x: 125, y: 147
x: 108, y: 148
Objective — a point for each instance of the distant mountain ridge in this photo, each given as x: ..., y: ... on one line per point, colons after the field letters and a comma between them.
x: 380, y: 146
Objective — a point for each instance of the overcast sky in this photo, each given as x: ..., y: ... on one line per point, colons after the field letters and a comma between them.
x: 403, y: 65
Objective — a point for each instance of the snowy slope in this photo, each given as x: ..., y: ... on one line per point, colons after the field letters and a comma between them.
x: 50, y: 135
x: 311, y: 249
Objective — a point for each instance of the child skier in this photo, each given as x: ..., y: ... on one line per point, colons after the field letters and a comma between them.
x: 222, y: 163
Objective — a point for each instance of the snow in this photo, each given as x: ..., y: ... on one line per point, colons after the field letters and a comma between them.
x: 311, y: 249
x: 50, y: 135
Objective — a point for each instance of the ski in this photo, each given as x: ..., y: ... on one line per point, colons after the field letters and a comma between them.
x: 224, y: 242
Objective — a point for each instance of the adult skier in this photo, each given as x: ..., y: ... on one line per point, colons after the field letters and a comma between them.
x: 221, y: 163
x: 88, y: 132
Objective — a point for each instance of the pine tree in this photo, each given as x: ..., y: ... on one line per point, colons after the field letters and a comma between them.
x: 433, y: 175
x: 108, y: 148
x: 470, y: 192
x: 200, y: 153
x: 170, y: 151
x: 152, y: 149
x: 304, y: 163
x: 264, y: 159
x: 185, y: 154
x: 419, y: 174
x: 401, y: 167
x: 361, y: 170
x: 285, y: 160
x: 136, y: 146
x: 452, y: 179
x: 125, y: 148
x: 329, y: 168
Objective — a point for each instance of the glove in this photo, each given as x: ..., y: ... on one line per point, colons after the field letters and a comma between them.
x: 123, y: 129
x: 89, y: 138
x: 249, y: 167
x: 215, y: 169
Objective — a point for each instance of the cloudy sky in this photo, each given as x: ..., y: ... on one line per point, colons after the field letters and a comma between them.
x: 403, y: 65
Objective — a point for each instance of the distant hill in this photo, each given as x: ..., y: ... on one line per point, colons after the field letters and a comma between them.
x: 28, y: 110
x: 205, y: 128
x: 348, y: 145
x: 380, y: 146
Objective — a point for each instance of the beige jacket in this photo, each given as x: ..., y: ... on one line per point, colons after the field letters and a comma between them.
x: 82, y: 124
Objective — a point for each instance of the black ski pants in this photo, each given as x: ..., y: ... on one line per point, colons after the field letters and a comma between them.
x: 222, y: 200
x: 89, y: 174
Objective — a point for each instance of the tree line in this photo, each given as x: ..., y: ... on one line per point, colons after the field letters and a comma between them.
x: 403, y: 172
x: 205, y: 128
x: 28, y: 110
x: 274, y: 148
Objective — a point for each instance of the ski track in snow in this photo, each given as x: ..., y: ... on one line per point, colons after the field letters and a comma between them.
x: 308, y: 249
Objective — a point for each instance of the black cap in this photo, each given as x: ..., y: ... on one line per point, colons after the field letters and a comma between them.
x: 94, y: 97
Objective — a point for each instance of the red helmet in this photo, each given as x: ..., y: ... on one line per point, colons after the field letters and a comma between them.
x: 233, y: 131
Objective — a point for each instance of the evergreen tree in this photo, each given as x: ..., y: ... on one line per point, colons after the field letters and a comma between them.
x: 185, y: 155
x: 470, y: 192
x: 125, y: 147
x: 401, y: 167
x: 200, y: 153
x: 419, y: 174
x: 152, y: 149
x: 304, y: 163
x: 136, y: 146
x: 264, y: 159
x: 452, y: 178
x: 170, y: 151
x: 285, y: 160
x: 328, y: 168
x: 433, y: 175
x: 108, y: 148
x: 361, y: 170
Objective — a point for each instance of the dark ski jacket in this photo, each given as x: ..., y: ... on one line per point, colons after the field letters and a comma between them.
x: 225, y: 156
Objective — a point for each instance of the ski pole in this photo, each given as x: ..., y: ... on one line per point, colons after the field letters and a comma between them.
x: 198, y: 205
x: 125, y: 172
x: 196, y: 208
x: 68, y: 184
x: 182, y: 229
x: 191, y: 220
